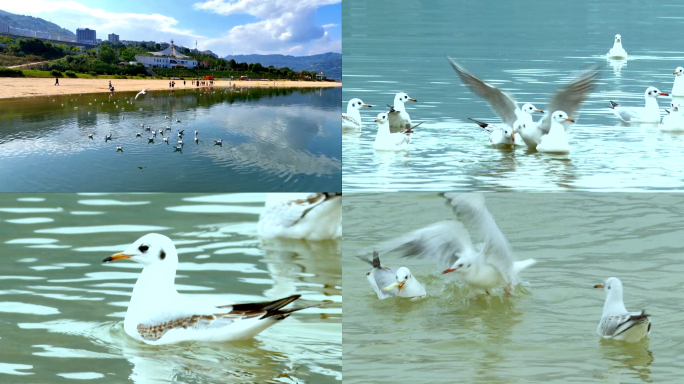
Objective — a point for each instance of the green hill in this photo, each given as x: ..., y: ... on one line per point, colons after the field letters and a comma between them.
x: 34, y: 23
x: 329, y: 63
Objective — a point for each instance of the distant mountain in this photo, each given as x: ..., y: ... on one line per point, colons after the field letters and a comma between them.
x: 329, y: 63
x: 34, y: 23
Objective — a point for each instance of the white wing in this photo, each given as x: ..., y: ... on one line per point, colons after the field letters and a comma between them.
x: 569, y: 98
x: 628, y: 114
x: 289, y: 213
x: 444, y: 242
x: 350, y: 122
x: 502, y: 104
x: 614, y: 325
x: 497, y: 251
x: 397, y: 122
x: 380, y: 277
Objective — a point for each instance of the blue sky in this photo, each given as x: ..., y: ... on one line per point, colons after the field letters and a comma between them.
x: 294, y: 27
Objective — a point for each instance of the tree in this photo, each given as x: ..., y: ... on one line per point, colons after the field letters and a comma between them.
x: 5, y: 39
x: 107, y: 54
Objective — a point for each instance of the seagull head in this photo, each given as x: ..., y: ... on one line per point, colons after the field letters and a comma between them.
x: 461, y: 265
x: 357, y: 104
x: 674, y: 106
x: 560, y: 117
x: 382, y: 118
x: 403, y: 275
x: 618, y: 39
x: 151, y: 249
x: 613, y: 287
x: 529, y: 108
x: 402, y: 98
x: 679, y: 71
x: 654, y: 92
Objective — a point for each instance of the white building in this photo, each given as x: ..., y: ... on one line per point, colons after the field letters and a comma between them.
x: 167, y: 58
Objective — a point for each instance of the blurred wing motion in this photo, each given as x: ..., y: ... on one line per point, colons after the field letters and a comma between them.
x: 571, y: 97
x: 315, y: 216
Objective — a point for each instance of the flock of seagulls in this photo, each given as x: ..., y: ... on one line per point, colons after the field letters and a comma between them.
x: 484, y: 267
x: 518, y: 127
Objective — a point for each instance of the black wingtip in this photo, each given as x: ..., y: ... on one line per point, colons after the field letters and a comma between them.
x: 376, y: 260
x: 481, y: 124
x: 613, y: 104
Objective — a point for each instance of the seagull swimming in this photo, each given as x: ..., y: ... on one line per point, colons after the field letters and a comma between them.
x: 177, y: 148
x: 218, y: 142
x: 678, y: 86
x: 308, y: 216
x: 487, y: 266
x: 138, y: 134
x: 617, y: 51
x: 648, y: 114
x: 144, y: 91
x: 556, y: 141
x: 399, y: 119
x: 90, y: 136
x: 158, y: 314
x: 150, y: 140
x: 505, y: 135
x: 387, y: 141
x: 567, y: 99
x: 616, y: 322
x: 352, y: 119
x: 388, y: 283
x: 119, y: 149
x: 674, y: 121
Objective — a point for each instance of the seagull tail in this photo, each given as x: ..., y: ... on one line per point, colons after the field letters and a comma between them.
x: 272, y: 308
x: 375, y: 262
x: 520, y: 265
x: 613, y: 104
x: 481, y: 124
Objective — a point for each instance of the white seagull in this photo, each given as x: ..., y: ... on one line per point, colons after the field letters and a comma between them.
x: 387, y: 141
x: 388, y: 283
x: 617, y: 51
x: 567, y: 99
x: 308, y: 216
x: 352, y: 119
x: 505, y: 135
x: 678, y: 86
x: 487, y: 266
x: 144, y: 91
x: 674, y: 121
x: 556, y: 141
x: 648, y: 114
x: 616, y: 322
x: 399, y: 119
x: 158, y: 314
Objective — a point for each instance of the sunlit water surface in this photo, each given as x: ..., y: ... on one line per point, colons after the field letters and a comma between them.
x: 546, y: 332
x: 273, y: 139
x: 62, y: 310
x: 530, y: 51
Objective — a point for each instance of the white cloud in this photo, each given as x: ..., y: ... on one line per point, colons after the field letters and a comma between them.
x: 289, y: 27
x: 129, y: 26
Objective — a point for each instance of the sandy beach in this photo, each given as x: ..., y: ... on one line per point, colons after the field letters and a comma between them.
x: 23, y: 87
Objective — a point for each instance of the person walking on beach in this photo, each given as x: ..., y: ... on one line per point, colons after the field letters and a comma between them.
x: 169, y: 84
x: 56, y: 80
x: 184, y: 83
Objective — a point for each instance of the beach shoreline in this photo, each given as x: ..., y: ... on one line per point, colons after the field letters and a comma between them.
x: 25, y: 87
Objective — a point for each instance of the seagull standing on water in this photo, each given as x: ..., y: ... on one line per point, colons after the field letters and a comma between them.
x: 399, y: 119
x: 678, y: 86
x: 505, y: 135
x: 674, y: 121
x: 158, y: 314
x: 487, y: 266
x: 308, y: 216
x: 650, y: 113
x: 387, y: 141
x: 616, y: 322
x: 617, y: 52
x: 352, y: 119
x: 388, y: 283
x: 556, y: 141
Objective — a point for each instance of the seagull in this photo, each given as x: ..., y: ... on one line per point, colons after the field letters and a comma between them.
x: 108, y: 137
x: 177, y: 148
x: 616, y: 322
x: 150, y: 140
x: 166, y: 140
x: 196, y: 132
x: 181, y: 132
x: 555, y: 141
x: 352, y: 119
x: 487, y: 266
x: 308, y: 216
x: 399, y: 119
x: 180, y: 142
x: 387, y: 141
x: 90, y: 136
x: 180, y: 135
x: 142, y: 124
x: 168, y: 128
x: 505, y: 135
x: 196, y: 140
x: 617, y: 51
x: 218, y: 142
x: 503, y: 105
x: 166, y: 117
x: 147, y: 128
x: 388, y: 283
x: 138, y: 134
x: 161, y: 132
x: 119, y: 149
x: 648, y: 114
x: 144, y: 91
x: 674, y: 121
x: 678, y: 86
x: 178, y: 121
x: 158, y: 314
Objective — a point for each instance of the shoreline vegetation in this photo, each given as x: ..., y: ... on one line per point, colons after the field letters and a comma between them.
x: 26, y: 86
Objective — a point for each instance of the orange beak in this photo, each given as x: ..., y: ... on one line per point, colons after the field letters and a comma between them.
x: 367, y: 105
x: 412, y: 100
x: 539, y: 110
x: 675, y: 73
x: 117, y: 256
x: 570, y: 120
x: 598, y: 286
x: 377, y: 120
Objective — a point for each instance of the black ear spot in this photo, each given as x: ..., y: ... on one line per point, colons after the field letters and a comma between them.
x: 162, y: 254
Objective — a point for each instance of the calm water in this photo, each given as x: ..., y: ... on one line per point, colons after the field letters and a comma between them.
x: 529, y: 50
x: 273, y: 140
x: 62, y: 310
x: 546, y: 333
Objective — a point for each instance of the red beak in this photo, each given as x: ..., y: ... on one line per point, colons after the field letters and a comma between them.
x: 449, y: 270
x: 663, y: 94
x: 570, y: 120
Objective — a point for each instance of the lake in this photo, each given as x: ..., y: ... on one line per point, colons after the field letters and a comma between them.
x: 273, y: 139
x: 546, y: 332
x: 62, y: 309
x: 529, y: 51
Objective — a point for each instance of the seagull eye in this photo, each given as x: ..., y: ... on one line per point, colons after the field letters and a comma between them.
x: 143, y: 248
x: 406, y: 278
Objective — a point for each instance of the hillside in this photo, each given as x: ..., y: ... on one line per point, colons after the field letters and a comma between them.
x: 30, y: 22
x: 329, y: 63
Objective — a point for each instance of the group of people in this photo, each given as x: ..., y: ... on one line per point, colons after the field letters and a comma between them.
x: 203, y: 82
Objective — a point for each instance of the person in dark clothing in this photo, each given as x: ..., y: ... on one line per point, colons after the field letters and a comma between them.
x: 56, y: 80
x: 184, y: 83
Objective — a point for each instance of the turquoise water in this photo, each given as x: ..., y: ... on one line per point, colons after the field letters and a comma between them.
x: 274, y: 139
x: 62, y: 309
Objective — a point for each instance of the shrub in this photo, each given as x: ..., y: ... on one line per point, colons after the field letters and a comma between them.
x: 9, y: 72
x: 70, y: 73
x: 56, y: 73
